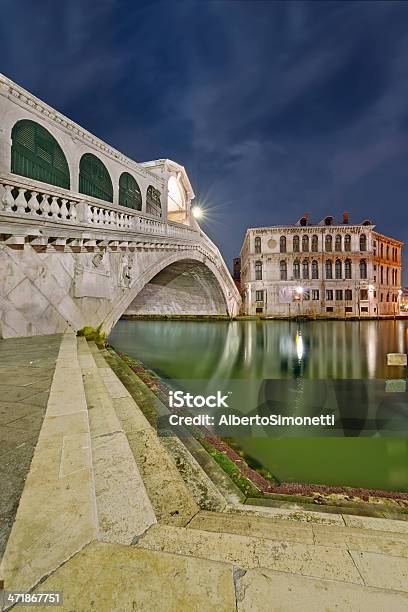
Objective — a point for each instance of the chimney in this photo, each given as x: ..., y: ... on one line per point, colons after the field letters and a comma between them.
x: 345, y: 218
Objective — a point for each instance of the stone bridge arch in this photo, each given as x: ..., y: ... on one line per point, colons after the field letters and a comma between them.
x: 178, y: 283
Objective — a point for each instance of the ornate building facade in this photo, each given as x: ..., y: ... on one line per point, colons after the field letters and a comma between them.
x: 326, y: 269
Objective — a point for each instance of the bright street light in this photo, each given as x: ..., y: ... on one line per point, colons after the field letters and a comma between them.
x: 197, y: 212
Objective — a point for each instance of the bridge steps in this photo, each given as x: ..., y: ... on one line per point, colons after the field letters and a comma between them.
x: 347, y: 563
x: 123, y: 506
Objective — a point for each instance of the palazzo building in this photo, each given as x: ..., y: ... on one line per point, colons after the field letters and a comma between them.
x: 323, y: 269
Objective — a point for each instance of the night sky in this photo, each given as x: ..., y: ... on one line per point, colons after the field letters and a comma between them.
x: 275, y: 109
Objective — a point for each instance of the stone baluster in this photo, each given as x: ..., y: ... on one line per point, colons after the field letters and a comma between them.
x: 106, y: 217
x: 45, y: 205
x: 54, y: 208
x: 64, y: 209
x: 120, y: 220
x: 21, y: 202
x: 7, y: 199
x: 73, y: 213
x: 33, y: 203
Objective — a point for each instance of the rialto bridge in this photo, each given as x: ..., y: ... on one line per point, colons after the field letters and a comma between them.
x: 87, y: 234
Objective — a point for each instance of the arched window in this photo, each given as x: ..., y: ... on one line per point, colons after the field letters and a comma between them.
x: 338, y: 269
x: 305, y: 243
x: 283, y: 270
x: 315, y: 269
x: 328, y: 243
x: 315, y: 243
x: 153, y: 202
x: 129, y: 192
x: 36, y: 154
x: 329, y: 269
x: 282, y: 244
x: 258, y: 270
x: 94, y: 179
x: 257, y: 245
x: 363, y: 242
x: 305, y: 268
x: 347, y: 268
x: 347, y: 242
x: 363, y: 269
x: 337, y: 243
x: 296, y: 244
x: 296, y: 269
x: 382, y: 274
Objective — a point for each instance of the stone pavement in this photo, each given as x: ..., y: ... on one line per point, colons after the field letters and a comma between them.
x: 119, y: 519
x: 26, y: 370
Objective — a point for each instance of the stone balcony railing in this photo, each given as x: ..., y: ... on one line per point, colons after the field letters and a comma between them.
x: 32, y: 200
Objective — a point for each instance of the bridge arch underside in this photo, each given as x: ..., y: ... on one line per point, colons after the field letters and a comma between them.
x: 184, y: 287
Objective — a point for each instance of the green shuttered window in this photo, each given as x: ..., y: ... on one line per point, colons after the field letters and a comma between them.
x: 94, y: 179
x: 36, y: 154
x: 129, y: 192
x: 153, y: 203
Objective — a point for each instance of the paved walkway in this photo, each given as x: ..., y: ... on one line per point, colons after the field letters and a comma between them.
x: 26, y: 369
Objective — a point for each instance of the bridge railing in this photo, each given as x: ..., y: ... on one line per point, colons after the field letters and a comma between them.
x: 29, y: 199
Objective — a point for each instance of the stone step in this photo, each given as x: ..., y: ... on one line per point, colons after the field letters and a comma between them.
x: 378, y: 570
x: 123, y: 506
x: 249, y: 552
x: 170, y: 497
x: 349, y: 538
x: 151, y: 405
x: 263, y: 589
x: 111, y: 578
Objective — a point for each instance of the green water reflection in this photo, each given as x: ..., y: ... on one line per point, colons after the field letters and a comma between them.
x: 283, y: 349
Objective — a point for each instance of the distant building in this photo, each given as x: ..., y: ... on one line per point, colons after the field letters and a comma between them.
x: 404, y: 299
x: 321, y: 269
x: 236, y: 272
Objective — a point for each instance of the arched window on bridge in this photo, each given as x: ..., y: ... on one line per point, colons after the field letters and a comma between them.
x: 283, y: 270
x: 129, y: 192
x: 153, y: 202
x: 94, y: 179
x: 315, y: 269
x: 37, y: 155
x: 257, y: 245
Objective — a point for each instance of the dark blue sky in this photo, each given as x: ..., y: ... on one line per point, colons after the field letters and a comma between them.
x: 275, y: 109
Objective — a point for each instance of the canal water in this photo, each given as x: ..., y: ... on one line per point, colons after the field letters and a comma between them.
x: 291, y: 351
